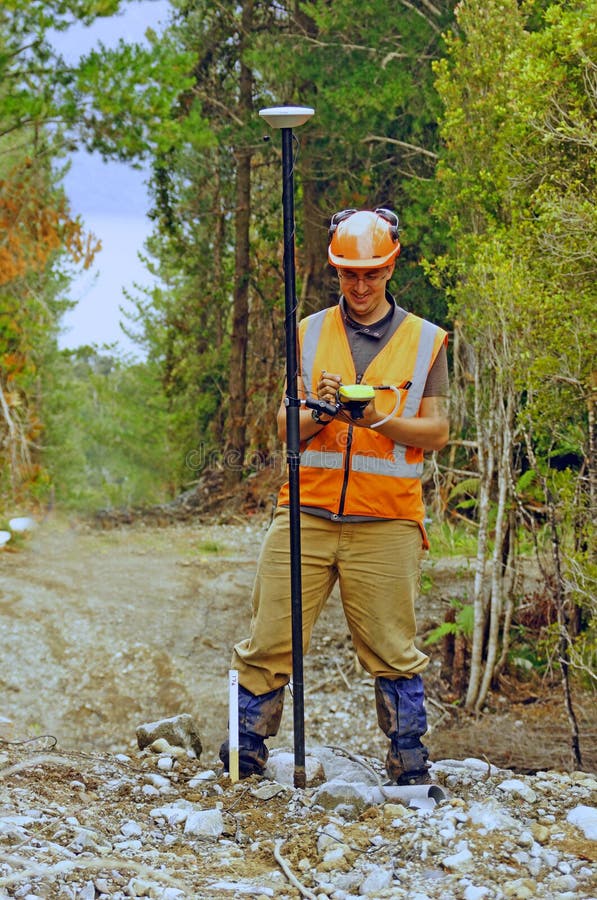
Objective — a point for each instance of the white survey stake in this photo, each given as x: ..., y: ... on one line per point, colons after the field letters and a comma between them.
x: 233, y: 723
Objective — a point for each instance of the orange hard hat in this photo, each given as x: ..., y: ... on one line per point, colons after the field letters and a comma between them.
x: 363, y: 239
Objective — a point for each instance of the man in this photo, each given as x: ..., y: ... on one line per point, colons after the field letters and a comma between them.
x: 361, y: 500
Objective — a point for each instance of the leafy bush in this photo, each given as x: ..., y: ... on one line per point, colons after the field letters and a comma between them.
x: 462, y: 624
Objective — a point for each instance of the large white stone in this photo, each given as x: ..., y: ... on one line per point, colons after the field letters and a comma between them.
x: 377, y: 880
x: 585, y: 818
x: 131, y: 829
x: 333, y: 793
x: 205, y: 823
x: 280, y: 768
x: 329, y: 837
x: 21, y: 523
x: 337, y: 766
x: 490, y: 815
x: 242, y: 887
x: 459, y: 861
x: 470, y: 765
x: 472, y: 892
x: 519, y: 788
x: 174, y: 813
x: 177, y: 731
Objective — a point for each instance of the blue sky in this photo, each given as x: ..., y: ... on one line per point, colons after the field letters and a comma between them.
x: 110, y: 197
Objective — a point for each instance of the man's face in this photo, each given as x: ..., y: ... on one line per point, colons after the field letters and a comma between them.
x: 365, y: 292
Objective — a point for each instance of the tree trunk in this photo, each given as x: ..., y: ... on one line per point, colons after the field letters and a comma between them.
x: 511, y: 566
x: 504, y: 431
x: 564, y: 637
x: 447, y: 658
x: 319, y: 285
x: 484, y: 418
x: 219, y: 243
x: 592, y: 457
x: 237, y: 382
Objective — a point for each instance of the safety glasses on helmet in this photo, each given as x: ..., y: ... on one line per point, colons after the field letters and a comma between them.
x: 387, y: 214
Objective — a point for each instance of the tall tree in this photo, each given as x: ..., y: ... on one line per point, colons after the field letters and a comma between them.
x: 237, y: 382
x: 36, y: 229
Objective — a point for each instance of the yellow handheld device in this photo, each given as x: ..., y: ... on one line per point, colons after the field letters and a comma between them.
x: 359, y: 393
x: 354, y: 398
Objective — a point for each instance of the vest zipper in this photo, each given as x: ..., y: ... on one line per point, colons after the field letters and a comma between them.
x: 346, y: 471
x: 347, y: 462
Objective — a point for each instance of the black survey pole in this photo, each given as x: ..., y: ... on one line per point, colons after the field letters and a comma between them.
x: 293, y: 460
x: 285, y: 118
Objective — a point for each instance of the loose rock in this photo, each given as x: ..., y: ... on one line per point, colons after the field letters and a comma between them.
x: 342, y: 838
x: 177, y: 731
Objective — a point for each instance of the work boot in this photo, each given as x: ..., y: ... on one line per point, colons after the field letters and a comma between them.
x: 401, y: 715
x: 259, y: 717
x: 407, y: 765
x: 252, y: 755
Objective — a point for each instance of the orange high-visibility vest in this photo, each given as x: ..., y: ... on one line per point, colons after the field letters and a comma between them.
x: 357, y: 471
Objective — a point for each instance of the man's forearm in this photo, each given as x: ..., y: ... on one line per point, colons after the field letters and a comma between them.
x: 429, y: 431
x: 307, y: 424
x: 426, y: 433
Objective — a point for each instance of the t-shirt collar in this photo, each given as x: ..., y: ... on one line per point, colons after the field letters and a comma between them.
x: 375, y: 329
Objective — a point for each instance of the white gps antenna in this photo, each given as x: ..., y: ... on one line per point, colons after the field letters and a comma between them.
x: 286, y: 116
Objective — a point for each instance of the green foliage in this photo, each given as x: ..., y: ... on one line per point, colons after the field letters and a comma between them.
x: 465, y: 492
x: 448, y: 539
x: 105, y: 439
x: 374, y: 139
x: 519, y: 164
x: 31, y: 74
x: 212, y: 547
x: 462, y: 625
x: 120, y: 102
x: 131, y: 93
x: 527, y: 651
x: 584, y: 657
x: 426, y: 583
x: 41, y: 15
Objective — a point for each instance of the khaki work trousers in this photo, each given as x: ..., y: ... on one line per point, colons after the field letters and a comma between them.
x: 377, y: 566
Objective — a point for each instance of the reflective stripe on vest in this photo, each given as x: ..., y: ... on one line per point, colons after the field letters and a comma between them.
x: 322, y: 459
x: 422, y: 364
x: 310, y: 341
x: 397, y: 467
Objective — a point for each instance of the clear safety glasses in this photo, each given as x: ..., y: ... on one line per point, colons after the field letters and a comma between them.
x: 387, y: 214
x: 368, y: 277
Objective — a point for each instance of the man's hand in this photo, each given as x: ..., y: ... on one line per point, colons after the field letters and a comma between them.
x: 370, y: 416
x: 327, y: 387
